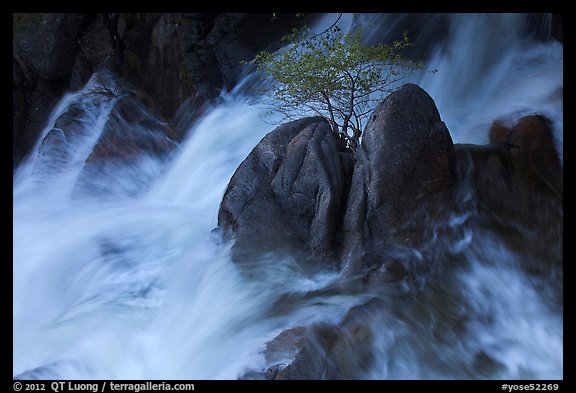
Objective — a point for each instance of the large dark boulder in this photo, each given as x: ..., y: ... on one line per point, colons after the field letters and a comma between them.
x: 288, y: 193
x: 405, y: 160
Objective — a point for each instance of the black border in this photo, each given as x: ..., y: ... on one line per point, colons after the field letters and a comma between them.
x: 347, y: 6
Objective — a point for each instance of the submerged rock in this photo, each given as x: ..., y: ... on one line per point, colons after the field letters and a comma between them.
x: 288, y: 193
x: 511, y: 191
x: 131, y: 130
x: 516, y: 186
x: 112, y: 134
x: 324, y: 350
x: 517, y: 180
x: 131, y: 150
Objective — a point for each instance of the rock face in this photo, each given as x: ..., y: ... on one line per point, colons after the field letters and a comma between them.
x: 184, y: 60
x: 109, y: 127
x: 51, y: 53
x: 47, y: 49
x: 288, y: 193
x: 187, y: 55
x: 405, y: 158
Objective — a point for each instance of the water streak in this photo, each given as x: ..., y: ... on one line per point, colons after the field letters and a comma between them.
x: 128, y: 288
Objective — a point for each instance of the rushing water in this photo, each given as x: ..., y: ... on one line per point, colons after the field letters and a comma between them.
x: 127, y: 285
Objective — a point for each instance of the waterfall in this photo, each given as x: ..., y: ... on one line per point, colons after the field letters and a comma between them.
x: 119, y: 284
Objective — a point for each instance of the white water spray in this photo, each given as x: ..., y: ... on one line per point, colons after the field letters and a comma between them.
x: 129, y: 288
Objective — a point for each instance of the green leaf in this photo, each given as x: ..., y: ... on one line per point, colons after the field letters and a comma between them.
x: 333, y: 73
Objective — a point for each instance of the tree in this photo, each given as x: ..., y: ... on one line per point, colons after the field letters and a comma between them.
x: 335, y: 75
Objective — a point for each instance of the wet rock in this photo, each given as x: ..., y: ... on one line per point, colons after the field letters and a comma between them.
x: 515, y: 186
x: 405, y: 159
x: 312, y: 360
x: 282, y: 350
x: 107, y: 128
x: 186, y: 59
x: 131, y: 151
x: 58, y: 149
x: 288, y: 193
x: 532, y: 152
x: 326, y: 351
x: 45, y: 43
x: 132, y: 130
x: 43, y: 52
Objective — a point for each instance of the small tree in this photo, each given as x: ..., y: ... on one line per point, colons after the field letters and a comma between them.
x: 335, y: 75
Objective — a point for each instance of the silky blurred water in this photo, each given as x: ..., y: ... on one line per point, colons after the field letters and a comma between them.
x: 124, y: 285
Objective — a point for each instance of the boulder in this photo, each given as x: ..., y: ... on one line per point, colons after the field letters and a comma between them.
x: 288, y: 193
x: 514, y: 186
x: 532, y: 201
x: 532, y: 151
x: 405, y: 159
x: 132, y: 129
x: 283, y: 349
x: 134, y: 140
x: 109, y: 126
x: 312, y: 359
x: 323, y: 350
